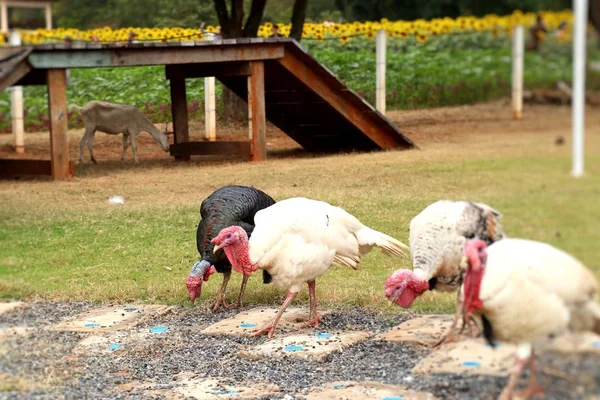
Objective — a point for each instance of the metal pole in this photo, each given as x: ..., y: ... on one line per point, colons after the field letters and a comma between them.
x: 578, y: 119
x: 48, y: 16
x: 517, y: 71
x: 380, y: 49
x: 16, y: 100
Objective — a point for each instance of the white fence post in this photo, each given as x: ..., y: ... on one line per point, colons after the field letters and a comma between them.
x: 210, y: 108
x: 517, y: 71
x: 578, y: 99
x: 16, y: 100
x: 380, y: 49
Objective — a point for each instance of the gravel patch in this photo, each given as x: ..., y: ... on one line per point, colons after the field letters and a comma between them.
x: 46, y: 356
x: 42, y: 313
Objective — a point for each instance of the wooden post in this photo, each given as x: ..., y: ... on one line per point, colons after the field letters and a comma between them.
x: 48, y: 13
x: 16, y: 105
x: 517, y: 71
x: 256, y: 112
x: 59, y: 139
x: 380, y: 49
x: 3, y: 16
x: 180, y: 114
x: 210, y: 112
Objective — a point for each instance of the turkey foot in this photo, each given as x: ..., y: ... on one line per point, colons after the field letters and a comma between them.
x: 313, y: 318
x: 312, y: 321
x: 220, y: 300
x: 270, y: 328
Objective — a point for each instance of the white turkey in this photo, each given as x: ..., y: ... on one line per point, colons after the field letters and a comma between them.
x: 437, y: 238
x: 521, y: 291
x: 296, y: 240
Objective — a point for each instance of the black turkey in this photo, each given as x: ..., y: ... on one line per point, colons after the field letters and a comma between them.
x: 229, y: 205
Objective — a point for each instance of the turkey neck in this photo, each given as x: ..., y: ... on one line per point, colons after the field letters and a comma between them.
x: 239, y: 257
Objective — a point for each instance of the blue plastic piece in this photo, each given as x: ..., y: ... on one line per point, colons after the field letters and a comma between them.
x: 596, y: 343
x: 91, y: 325
x: 245, y: 326
x: 114, y: 346
x: 130, y: 309
x: 339, y: 386
x: 323, y: 335
x: 293, y: 348
x: 159, y: 329
x: 3, y: 328
x: 471, y: 364
x: 226, y: 391
x: 393, y: 398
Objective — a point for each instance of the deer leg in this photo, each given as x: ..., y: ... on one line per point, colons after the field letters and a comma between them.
x: 83, y: 141
x: 90, y: 144
x: 125, y: 138
x: 134, y: 148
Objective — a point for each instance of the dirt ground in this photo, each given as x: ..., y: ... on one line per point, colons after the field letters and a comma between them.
x: 432, y: 129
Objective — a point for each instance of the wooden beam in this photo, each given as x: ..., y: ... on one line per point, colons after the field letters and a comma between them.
x: 208, y: 70
x: 234, y: 148
x: 256, y: 111
x: 180, y: 114
x: 59, y: 139
x: 11, y: 167
x: 336, y: 99
x: 19, y: 71
x: 123, y: 56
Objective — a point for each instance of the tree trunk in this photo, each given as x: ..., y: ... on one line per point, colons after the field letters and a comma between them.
x: 298, y: 17
x: 253, y: 22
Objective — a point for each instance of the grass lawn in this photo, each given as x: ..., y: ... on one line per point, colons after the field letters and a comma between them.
x: 64, y: 241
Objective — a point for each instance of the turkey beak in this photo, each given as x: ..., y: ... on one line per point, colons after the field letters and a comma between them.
x: 216, y: 248
x: 393, y: 299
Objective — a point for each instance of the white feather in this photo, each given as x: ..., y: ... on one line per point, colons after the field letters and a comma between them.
x: 298, y: 239
x: 438, y: 235
x: 531, y: 290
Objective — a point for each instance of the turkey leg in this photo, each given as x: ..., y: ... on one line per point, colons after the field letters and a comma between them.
x: 313, y: 319
x: 270, y: 328
x: 220, y: 299
x: 242, y: 291
x: 452, y: 336
x: 520, y: 363
x: 534, y: 388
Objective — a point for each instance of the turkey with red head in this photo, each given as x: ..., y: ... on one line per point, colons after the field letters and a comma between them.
x: 229, y: 205
x: 296, y: 241
x: 437, y: 238
x: 521, y: 291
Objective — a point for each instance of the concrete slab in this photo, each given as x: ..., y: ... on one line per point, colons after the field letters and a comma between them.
x: 215, y: 389
x: 108, y: 319
x: 118, y: 341
x: 425, y: 330
x: 468, y: 357
x: 347, y: 390
x: 6, y: 307
x: 247, y: 322
x: 575, y: 343
x: 8, y: 332
x: 305, y: 346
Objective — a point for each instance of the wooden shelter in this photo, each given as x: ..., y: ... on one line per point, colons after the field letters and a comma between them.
x: 280, y: 81
x: 44, y: 4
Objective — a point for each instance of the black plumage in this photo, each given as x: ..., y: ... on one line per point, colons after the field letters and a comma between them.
x: 227, y: 206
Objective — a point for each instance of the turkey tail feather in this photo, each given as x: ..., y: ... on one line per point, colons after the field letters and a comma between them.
x: 370, y: 237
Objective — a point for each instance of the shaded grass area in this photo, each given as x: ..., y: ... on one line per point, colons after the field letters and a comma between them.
x: 63, y: 241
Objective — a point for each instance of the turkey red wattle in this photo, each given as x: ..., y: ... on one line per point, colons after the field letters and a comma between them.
x: 476, y: 258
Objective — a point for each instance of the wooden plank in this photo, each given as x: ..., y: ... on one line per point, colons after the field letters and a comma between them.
x: 207, y: 70
x: 17, y: 72
x: 59, y: 139
x: 10, y: 167
x: 180, y: 114
x: 83, y: 58
x: 384, y: 138
x: 234, y: 148
x: 256, y: 111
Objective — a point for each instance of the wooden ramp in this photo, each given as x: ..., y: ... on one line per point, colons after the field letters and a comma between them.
x: 276, y: 77
x: 312, y: 106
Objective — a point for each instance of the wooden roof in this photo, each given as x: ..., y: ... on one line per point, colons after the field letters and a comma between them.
x: 13, y: 65
x: 302, y: 97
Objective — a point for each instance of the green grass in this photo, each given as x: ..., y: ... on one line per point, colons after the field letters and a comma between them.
x: 447, y: 70
x: 63, y: 241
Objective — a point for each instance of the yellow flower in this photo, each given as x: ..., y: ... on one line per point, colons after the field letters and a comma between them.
x: 422, y: 38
